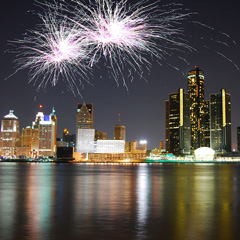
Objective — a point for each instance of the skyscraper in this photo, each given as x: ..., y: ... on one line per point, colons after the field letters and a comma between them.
x: 197, y: 102
x: 10, y: 136
x: 119, y: 132
x: 167, y: 131
x: 179, y: 122
x: 220, y: 122
x: 84, y: 120
x: 30, y: 139
x: 46, y: 126
x: 84, y: 116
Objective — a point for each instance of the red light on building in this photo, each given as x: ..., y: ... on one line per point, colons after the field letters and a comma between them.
x: 40, y: 106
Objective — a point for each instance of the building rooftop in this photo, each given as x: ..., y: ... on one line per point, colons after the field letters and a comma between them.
x: 10, y: 115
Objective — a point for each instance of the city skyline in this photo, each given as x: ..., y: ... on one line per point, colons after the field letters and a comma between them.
x: 142, y: 106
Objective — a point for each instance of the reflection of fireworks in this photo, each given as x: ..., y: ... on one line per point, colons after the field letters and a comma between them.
x: 73, y: 38
x: 54, y: 49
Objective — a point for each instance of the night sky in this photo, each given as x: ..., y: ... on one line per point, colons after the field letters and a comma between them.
x: 142, y: 106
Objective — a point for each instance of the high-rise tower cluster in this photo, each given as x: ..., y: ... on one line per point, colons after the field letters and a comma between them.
x: 193, y: 122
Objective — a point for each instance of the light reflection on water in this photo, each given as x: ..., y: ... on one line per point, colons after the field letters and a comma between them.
x: 80, y: 201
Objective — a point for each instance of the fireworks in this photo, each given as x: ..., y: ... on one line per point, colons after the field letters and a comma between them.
x: 74, y: 38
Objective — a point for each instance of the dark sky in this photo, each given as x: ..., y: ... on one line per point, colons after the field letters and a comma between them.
x: 142, y: 106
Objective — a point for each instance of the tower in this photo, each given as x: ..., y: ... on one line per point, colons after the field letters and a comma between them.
x: 10, y: 136
x: 84, y: 116
x: 84, y: 128
x: 220, y: 121
x: 196, y: 93
x: 179, y: 122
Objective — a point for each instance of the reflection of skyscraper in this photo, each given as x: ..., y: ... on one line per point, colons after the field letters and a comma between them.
x: 196, y: 92
x: 119, y: 132
x: 220, y: 127
x: 10, y: 136
x: 179, y: 123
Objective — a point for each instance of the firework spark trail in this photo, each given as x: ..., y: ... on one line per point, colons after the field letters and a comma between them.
x: 126, y: 35
x: 73, y: 38
x: 55, y: 48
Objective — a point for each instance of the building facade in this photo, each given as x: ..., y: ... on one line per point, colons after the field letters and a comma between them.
x: 178, y: 117
x: 197, y: 104
x: 84, y: 120
x: 220, y: 122
x: 10, y: 136
x: 119, y: 132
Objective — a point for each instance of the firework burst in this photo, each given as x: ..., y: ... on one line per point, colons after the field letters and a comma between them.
x: 54, y: 50
x: 126, y: 35
x: 74, y: 38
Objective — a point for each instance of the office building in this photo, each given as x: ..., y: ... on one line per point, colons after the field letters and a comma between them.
x: 110, y: 146
x: 85, y: 140
x: 167, y: 131
x: 178, y: 123
x: 47, y: 141
x: 119, y: 132
x: 10, y: 136
x: 84, y: 116
x: 99, y: 135
x: 197, y: 103
x: 30, y: 139
x: 84, y: 120
x: 220, y: 122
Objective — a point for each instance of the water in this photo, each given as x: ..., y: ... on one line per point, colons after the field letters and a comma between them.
x: 80, y: 201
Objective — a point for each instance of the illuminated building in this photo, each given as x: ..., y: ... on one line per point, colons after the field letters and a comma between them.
x: 85, y: 140
x: 99, y: 135
x: 47, y: 141
x: 110, y: 146
x: 131, y: 146
x: 54, y: 119
x: 220, y: 122
x: 84, y: 120
x: 30, y: 139
x: 84, y: 116
x: 206, y: 125
x: 197, y: 103
x: 70, y: 139
x: 142, y: 145
x: 238, y: 139
x: 10, y: 136
x: 119, y: 132
x: 178, y: 123
x: 167, y: 131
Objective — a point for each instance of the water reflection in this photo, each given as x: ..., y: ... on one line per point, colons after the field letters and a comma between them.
x: 71, y: 201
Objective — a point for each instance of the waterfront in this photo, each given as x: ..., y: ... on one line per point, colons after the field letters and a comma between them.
x: 104, y: 201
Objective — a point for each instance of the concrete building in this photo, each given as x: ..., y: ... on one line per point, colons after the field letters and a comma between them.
x: 85, y: 140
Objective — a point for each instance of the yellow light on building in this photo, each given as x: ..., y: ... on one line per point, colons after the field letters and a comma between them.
x: 224, y: 107
x: 181, y: 107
